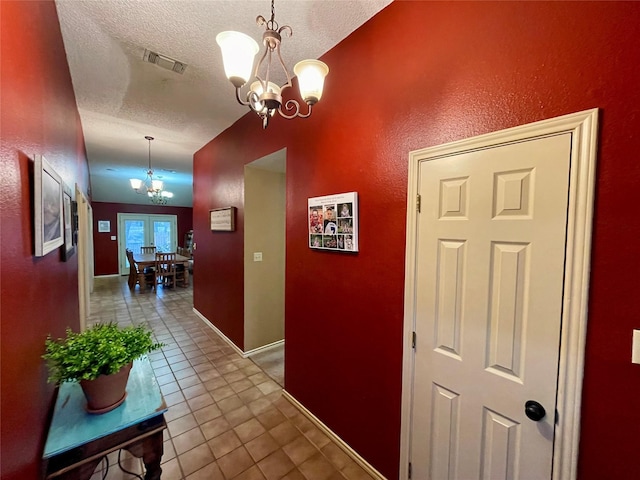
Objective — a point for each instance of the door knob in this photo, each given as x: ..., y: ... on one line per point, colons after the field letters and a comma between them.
x: 534, y: 410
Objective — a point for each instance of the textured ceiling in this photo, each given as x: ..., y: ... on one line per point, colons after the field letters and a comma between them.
x: 121, y: 98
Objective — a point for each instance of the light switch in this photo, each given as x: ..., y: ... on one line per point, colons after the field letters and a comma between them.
x: 257, y: 256
x: 635, y: 349
x: 113, y: 237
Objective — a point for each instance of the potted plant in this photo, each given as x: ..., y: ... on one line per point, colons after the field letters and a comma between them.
x: 100, y: 358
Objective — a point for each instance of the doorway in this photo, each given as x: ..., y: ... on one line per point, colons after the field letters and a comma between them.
x: 264, y: 261
x: 139, y: 230
x: 495, y: 302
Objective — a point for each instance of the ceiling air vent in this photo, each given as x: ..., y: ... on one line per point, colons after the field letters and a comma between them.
x: 164, y: 61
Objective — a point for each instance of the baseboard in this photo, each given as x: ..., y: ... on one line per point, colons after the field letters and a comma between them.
x: 222, y: 335
x: 263, y: 348
x: 111, y: 275
x: 336, y: 439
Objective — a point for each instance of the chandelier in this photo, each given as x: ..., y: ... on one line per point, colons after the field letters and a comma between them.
x: 153, y: 188
x: 265, y: 97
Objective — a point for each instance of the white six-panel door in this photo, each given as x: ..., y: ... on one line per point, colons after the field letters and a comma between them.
x: 490, y: 261
x: 496, y: 288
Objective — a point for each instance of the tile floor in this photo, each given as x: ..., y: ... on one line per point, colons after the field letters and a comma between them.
x: 227, y: 419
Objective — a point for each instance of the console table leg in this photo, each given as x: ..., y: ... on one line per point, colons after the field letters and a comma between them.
x: 151, y: 450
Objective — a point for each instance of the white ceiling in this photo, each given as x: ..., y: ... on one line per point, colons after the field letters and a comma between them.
x: 121, y: 98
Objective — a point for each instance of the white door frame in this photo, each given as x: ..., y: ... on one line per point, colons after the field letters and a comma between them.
x: 85, y: 255
x: 583, y: 126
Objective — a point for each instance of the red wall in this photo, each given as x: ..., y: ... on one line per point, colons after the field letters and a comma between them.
x: 38, y: 295
x: 421, y: 74
x: 105, y: 250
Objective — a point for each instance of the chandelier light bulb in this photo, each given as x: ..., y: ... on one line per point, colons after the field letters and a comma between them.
x: 238, y: 53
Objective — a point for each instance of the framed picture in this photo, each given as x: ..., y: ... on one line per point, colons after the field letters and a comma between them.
x: 223, y: 219
x: 333, y: 222
x: 48, y: 210
x: 69, y: 237
x: 104, y: 226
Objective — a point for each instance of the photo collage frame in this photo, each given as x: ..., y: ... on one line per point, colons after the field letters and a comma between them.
x: 333, y: 222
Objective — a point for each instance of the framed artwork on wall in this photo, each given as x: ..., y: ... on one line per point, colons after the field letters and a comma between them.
x: 333, y: 222
x: 69, y: 223
x: 48, y: 208
x: 223, y: 219
x: 104, y: 226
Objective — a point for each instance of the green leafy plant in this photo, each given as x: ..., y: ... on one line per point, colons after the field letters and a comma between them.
x: 102, y: 349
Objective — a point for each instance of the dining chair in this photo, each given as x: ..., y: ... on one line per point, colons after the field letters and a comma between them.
x: 143, y: 279
x: 165, y: 273
x: 144, y: 250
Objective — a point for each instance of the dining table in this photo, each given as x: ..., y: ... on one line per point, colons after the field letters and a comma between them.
x: 144, y: 260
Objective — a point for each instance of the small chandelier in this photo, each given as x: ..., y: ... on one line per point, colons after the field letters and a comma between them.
x: 153, y: 188
x: 265, y: 97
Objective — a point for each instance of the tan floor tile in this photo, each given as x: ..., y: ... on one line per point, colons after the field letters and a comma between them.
x: 260, y: 405
x: 316, y: 437
x: 207, y: 413
x: 271, y: 417
x: 249, y: 430
x: 259, y: 378
x: 294, y: 475
x: 353, y: 471
x: 195, y: 459
x: 261, y: 446
x: 210, y: 472
x: 317, y: 468
x: 173, y: 398
x: 178, y: 365
x: 238, y: 416
x: 300, y: 450
x: 215, y: 427
x: 284, y: 433
x: 188, y: 380
x: 276, y: 465
x: 212, y: 385
x: 252, y: 473
x: 184, y: 373
x: 177, y: 411
x: 286, y: 407
x: 241, y: 385
x: 164, y: 379
x: 235, y: 462
x: 235, y: 376
x: 200, y: 401
x: 224, y: 443
x: 230, y: 403
x: 194, y: 391
x: 268, y: 387
x: 222, y: 393
x: 250, y: 394
x: 188, y: 440
x: 168, y: 388
x: 209, y: 374
x: 336, y: 455
x: 181, y: 425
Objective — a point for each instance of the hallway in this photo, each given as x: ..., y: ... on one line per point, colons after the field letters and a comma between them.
x: 227, y: 418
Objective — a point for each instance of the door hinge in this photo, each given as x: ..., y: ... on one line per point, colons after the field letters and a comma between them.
x: 413, y: 340
x: 409, y: 470
x: 418, y: 202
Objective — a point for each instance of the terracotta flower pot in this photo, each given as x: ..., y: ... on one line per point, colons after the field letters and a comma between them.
x: 107, y: 391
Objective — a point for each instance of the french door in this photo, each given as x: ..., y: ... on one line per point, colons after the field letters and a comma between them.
x: 137, y: 230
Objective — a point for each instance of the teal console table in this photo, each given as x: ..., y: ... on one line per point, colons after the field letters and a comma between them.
x: 77, y: 440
